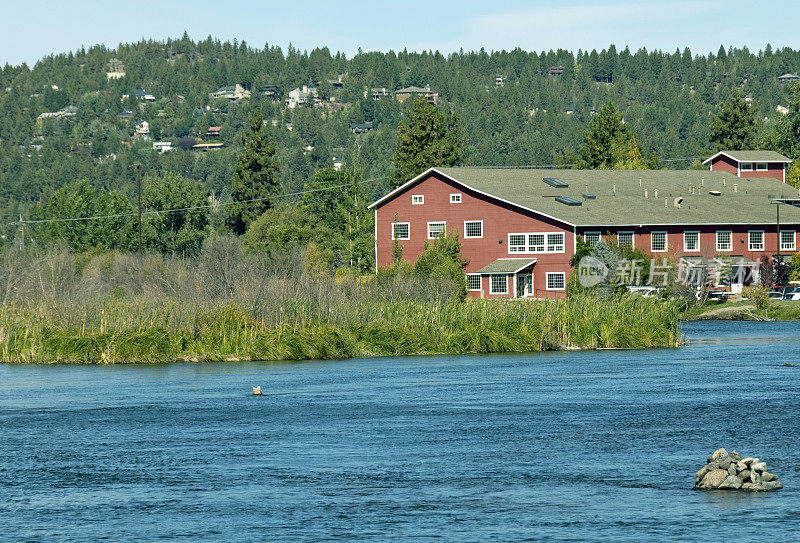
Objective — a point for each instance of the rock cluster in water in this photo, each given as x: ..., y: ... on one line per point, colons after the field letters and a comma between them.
x: 729, y: 471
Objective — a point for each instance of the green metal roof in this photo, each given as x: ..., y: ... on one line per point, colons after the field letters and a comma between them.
x: 507, y: 265
x: 752, y: 156
x: 620, y: 200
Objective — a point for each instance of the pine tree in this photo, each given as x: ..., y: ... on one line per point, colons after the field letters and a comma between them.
x: 256, y: 176
x: 734, y: 127
x: 430, y: 138
x: 609, y: 144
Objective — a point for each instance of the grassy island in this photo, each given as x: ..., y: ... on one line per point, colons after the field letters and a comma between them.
x: 120, y: 308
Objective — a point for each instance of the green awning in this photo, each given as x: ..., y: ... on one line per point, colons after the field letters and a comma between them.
x: 507, y: 265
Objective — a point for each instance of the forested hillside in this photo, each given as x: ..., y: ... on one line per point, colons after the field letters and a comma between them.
x: 515, y: 108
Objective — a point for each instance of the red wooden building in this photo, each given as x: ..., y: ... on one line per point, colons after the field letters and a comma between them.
x: 750, y: 164
x: 519, y: 227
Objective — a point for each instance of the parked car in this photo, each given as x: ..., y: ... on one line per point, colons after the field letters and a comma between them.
x: 646, y: 291
x: 716, y: 295
x: 785, y: 292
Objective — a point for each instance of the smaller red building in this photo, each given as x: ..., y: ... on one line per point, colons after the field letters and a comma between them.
x: 750, y: 164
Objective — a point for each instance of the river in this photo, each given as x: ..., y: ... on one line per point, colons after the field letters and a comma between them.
x: 599, y: 445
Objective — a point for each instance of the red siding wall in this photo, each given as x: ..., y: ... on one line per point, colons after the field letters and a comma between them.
x: 727, y: 164
x: 775, y: 170
x: 499, y: 219
x: 708, y: 239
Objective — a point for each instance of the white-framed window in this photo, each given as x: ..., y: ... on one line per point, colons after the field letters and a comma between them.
x: 788, y: 240
x: 625, y: 238
x: 539, y: 242
x: 658, y: 242
x: 556, y: 280
x: 436, y: 229
x: 746, y: 166
x: 498, y: 284
x: 473, y: 229
x: 592, y: 238
x: 401, y: 230
x: 473, y: 282
x: 455, y: 198
x: 691, y: 241
x: 755, y: 240
x: 724, y: 242
x: 555, y: 243
x: 417, y: 199
x: 762, y: 166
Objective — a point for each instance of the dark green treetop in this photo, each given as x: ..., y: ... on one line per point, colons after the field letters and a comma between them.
x: 734, y: 127
x: 256, y: 176
x: 429, y: 138
x: 609, y: 144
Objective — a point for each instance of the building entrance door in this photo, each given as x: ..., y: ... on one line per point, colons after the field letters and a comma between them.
x: 524, y: 285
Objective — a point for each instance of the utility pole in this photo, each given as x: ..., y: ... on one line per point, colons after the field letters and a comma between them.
x: 139, y: 184
x: 778, y: 221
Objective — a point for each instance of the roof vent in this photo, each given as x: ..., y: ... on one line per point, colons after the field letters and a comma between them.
x: 555, y: 182
x: 677, y: 202
x: 568, y: 201
x: 715, y: 193
x: 589, y: 196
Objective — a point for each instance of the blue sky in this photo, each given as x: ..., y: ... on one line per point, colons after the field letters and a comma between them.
x: 35, y: 28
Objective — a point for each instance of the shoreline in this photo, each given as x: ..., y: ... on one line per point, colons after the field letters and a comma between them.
x: 776, y: 311
x: 118, y: 333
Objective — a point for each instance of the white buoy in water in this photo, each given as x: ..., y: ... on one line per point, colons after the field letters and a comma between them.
x: 257, y: 391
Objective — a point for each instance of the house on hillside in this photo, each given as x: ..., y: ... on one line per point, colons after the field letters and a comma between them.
x: 378, y: 93
x: 162, y: 146
x: 234, y: 92
x: 142, y: 130
x: 125, y: 114
x: 499, y: 81
x: 69, y: 111
x: 750, y: 163
x: 300, y: 96
x: 412, y: 92
x: 269, y: 90
x: 207, y: 146
x: 789, y: 78
x: 555, y: 70
x: 337, y: 83
x: 519, y: 228
x: 360, y: 128
x: 213, y: 131
x: 141, y: 94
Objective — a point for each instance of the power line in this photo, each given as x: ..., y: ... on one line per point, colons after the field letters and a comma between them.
x: 193, y: 208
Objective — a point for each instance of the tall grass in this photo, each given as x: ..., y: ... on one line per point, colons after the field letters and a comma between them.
x: 115, y: 308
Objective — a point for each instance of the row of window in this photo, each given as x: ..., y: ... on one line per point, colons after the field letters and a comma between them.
x: 748, y: 166
x: 536, y: 242
x: 623, y: 237
x: 691, y: 240
x: 498, y: 283
x: 419, y: 199
x: 518, y: 243
x: 553, y: 242
x: 472, y: 229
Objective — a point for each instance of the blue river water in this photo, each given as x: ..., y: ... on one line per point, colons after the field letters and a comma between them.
x: 565, y: 446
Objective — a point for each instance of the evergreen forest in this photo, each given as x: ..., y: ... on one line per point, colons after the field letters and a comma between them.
x: 71, y: 132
